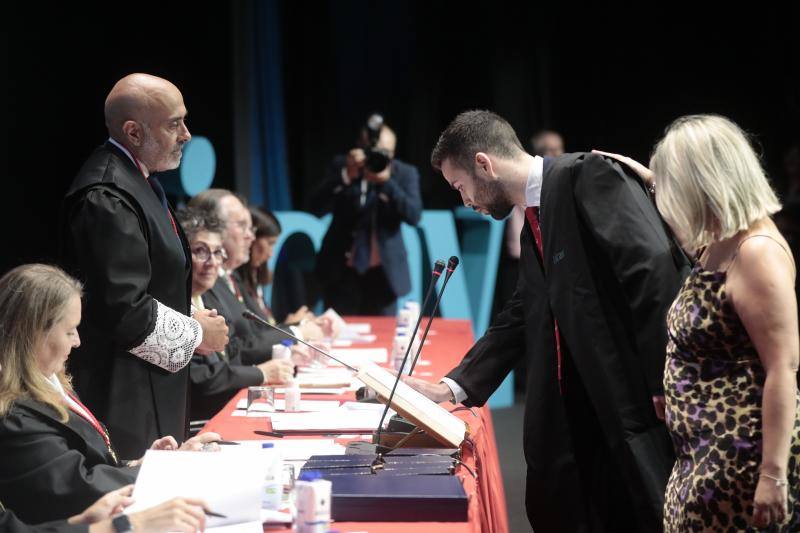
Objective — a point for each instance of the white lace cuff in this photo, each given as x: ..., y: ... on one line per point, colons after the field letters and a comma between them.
x: 172, y: 342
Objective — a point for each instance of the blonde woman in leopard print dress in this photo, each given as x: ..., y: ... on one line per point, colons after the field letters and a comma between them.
x: 733, y: 408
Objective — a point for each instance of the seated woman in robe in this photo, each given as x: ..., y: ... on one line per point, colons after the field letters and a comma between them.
x: 56, y: 458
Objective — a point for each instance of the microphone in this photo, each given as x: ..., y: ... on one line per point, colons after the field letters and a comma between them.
x: 438, y: 267
x: 364, y: 394
x: 249, y: 315
x: 452, y: 263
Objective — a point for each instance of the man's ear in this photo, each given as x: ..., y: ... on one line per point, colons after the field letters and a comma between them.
x: 133, y: 132
x: 483, y: 166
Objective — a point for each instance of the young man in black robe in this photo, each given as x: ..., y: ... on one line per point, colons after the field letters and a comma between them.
x: 597, y: 274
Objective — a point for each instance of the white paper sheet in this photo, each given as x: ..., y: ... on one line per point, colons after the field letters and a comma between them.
x: 334, y: 420
x: 294, y: 449
x: 246, y: 527
x: 268, y: 516
x: 230, y: 482
x: 367, y: 406
x: 325, y: 379
x: 252, y: 414
x: 358, y: 356
x: 360, y: 328
x: 337, y: 391
x: 280, y: 405
x: 361, y: 339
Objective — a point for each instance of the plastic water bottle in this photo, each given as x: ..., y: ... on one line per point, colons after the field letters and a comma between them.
x: 399, y: 348
x: 415, y: 344
x: 404, y: 318
x: 272, y: 493
x: 414, y: 310
x: 281, y: 351
x: 313, y: 501
x: 292, y: 397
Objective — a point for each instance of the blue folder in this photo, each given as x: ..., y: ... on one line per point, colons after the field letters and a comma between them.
x: 376, y: 498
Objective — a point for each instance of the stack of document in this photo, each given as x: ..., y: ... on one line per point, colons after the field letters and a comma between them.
x: 229, y: 482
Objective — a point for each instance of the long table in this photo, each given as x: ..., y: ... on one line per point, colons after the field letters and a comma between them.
x: 447, y: 342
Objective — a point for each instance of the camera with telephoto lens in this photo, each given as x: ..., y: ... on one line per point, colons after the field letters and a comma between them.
x: 377, y: 159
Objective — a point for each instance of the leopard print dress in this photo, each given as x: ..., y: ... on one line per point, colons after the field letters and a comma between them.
x: 714, y: 382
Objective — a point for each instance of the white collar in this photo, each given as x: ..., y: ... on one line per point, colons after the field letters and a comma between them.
x: 130, y: 156
x: 56, y: 384
x: 533, y: 188
x: 197, y: 302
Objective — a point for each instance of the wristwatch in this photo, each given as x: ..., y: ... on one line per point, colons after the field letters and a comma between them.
x: 121, y: 524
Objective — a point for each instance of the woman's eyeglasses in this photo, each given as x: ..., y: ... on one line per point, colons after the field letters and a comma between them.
x: 202, y: 253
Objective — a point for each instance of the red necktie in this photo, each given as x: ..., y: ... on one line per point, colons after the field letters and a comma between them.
x: 532, y: 215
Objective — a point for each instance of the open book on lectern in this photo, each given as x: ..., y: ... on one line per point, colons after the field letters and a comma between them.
x: 426, y: 414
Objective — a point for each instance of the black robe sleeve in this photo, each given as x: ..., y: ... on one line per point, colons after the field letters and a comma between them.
x: 110, y: 249
x: 489, y: 361
x: 623, y: 223
x: 11, y: 524
x: 216, y: 379
x: 214, y: 375
x: 250, y: 340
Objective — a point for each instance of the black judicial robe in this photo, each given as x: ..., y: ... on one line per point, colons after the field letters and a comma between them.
x: 252, y: 341
x: 216, y: 379
x: 609, y: 273
x: 118, y: 240
x: 250, y: 301
x: 51, y: 470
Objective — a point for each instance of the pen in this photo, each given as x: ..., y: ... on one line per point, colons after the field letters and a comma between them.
x: 225, y: 442
x: 269, y: 433
x: 216, y: 515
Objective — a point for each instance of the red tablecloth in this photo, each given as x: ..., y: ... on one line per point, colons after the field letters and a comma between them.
x: 447, y: 342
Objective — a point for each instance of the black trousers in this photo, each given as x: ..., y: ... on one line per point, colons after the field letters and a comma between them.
x: 362, y: 294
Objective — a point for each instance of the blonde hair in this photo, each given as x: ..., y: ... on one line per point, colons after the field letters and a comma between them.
x: 33, y: 299
x: 710, y: 184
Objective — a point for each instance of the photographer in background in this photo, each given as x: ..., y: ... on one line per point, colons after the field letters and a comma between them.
x: 362, y: 265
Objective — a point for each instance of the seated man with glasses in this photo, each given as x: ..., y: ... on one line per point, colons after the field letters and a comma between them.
x: 217, y: 377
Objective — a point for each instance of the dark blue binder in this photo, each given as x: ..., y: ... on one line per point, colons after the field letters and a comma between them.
x: 337, y: 465
x: 376, y: 498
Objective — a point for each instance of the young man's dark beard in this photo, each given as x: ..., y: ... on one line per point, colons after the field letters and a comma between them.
x: 493, y: 197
